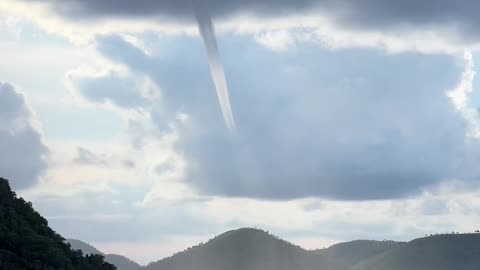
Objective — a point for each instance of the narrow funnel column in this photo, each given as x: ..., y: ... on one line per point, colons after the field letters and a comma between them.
x: 207, y: 31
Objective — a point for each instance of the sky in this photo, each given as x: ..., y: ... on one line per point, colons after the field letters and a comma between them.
x: 337, y: 121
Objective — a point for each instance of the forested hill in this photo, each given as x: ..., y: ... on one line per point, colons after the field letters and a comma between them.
x: 26, y: 241
x: 349, y: 254
x: 245, y: 249
x: 440, y: 252
x: 252, y: 249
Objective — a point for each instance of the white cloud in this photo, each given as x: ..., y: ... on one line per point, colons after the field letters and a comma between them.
x: 24, y: 158
x: 117, y: 87
x: 275, y: 40
x: 460, y: 96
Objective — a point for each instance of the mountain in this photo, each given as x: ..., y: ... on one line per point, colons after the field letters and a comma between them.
x: 26, y: 241
x: 348, y: 254
x: 252, y: 249
x: 441, y: 252
x: 244, y: 249
x: 84, y: 247
x: 121, y: 262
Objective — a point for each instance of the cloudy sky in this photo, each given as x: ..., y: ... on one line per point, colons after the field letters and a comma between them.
x: 349, y: 120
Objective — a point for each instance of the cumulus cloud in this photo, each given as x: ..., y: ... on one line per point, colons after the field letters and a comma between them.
x: 117, y: 88
x: 24, y: 154
x: 366, y: 125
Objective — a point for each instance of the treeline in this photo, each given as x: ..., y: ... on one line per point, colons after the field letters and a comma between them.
x: 27, y: 242
x: 452, y: 233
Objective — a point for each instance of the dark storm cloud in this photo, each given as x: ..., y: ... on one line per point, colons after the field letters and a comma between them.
x: 23, y: 154
x: 372, y: 14
x: 351, y: 124
x: 174, y: 9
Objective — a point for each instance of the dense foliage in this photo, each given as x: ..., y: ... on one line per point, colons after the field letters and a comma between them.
x: 26, y: 241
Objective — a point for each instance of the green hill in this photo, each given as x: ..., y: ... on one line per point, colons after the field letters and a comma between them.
x: 26, y: 241
x: 251, y: 249
x: 244, y: 249
x: 348, y: 254
x: 441, y: 252
x: 255, y: 249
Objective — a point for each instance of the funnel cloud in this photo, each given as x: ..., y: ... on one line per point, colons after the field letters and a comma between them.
x: 207, y: 32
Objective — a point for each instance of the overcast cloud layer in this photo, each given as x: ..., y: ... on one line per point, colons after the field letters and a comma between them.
x: 458, y: 17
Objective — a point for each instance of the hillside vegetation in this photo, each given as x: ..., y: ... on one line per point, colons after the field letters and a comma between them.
x: 348, y: 254
x: 252, y: 249
x: 26, y: 241
x: 441, y: 252
x: 244, y: 249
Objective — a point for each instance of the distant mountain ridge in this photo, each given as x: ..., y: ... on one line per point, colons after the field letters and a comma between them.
x: 121, y: 262
x: 84, y: 247
x: 254, y: 249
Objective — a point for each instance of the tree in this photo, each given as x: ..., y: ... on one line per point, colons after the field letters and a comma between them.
x: 27, y: 242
